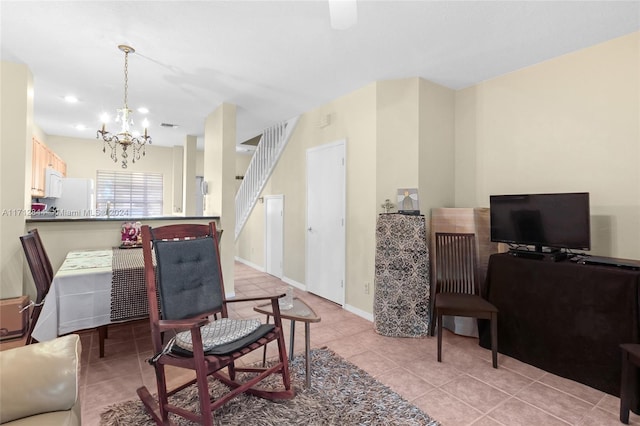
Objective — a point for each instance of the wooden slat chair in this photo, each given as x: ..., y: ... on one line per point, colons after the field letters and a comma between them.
x: 42, y: 274
x: 457, y: 290
x: 187, y: 282
x: 43, y: 254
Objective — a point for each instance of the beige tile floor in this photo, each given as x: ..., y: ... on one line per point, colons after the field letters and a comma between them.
x: 462, y: 390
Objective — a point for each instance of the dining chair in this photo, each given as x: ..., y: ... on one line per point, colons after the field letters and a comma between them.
x: 43, y: 254
x: 186, y: 298
x: 37, y: 261
x: 457, y: 291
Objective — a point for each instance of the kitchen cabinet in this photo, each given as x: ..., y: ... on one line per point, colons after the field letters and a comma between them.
x: 38, y: 164
x: 41, y: 158
x: 56, y: 163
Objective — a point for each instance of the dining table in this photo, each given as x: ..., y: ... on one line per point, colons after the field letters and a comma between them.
x: 92, y: 289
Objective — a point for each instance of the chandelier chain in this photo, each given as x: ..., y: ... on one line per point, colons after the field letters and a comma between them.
x: 126, y: 78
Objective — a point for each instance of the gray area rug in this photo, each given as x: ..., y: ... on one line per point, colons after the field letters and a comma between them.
x: 340, y: 394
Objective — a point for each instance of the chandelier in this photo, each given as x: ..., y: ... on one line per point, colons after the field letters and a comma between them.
x: 126, y: 139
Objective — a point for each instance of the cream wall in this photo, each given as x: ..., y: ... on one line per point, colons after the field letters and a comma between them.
x: 380, y: 125
x: 397, y: 137
x: 177, y: 172
x: 188, y: 181
x: 568, y: 124
x: 16, y: 116
x: 85, y: 156
x: 250, y: 243
x: 60, y: 237
x: 246, y: 247
x: 242, y: 163
x: 219, y: 173
x: 436, y: 158
x: 415, y: 141
x: 351, y: 117
x: 39, y: 134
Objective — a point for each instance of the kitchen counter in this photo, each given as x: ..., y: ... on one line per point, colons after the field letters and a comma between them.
x: 50, y: 218
x: 62, y: 235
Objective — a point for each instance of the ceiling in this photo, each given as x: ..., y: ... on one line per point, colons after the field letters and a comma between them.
x: 274, y: 59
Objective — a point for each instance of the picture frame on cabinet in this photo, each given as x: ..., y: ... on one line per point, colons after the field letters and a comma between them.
x: 408, y: 201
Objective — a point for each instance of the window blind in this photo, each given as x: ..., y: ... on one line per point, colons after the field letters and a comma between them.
x: 128, y: 194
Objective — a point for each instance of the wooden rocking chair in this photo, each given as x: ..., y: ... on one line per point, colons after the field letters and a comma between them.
x: 186, y: 296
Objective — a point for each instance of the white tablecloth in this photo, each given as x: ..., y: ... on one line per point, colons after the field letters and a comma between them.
x: 79, y: 297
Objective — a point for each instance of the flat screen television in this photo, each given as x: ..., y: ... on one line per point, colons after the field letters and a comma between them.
x: 553, y: 221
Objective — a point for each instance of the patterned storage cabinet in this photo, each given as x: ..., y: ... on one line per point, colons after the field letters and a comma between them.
x: 401, y: 298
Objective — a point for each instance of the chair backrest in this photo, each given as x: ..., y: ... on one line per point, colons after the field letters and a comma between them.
x: 37, y: 264
x: 43, y: 253
x: 186, y: 281
x: 455, y: 266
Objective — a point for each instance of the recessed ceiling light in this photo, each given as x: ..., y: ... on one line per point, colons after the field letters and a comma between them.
x: 143, y: 110
x: 71, y: 99
x: 81, y: 127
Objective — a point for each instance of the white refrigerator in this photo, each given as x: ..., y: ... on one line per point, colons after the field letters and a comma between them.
x: 77, y: 198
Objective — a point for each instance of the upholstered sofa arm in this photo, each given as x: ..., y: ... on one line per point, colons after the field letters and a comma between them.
x: 39, y: 378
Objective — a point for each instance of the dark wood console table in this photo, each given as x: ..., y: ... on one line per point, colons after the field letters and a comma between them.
x: 565, y: 318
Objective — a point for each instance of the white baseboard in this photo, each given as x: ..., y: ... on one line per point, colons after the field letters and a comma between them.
x: 358, y: 312
x: 303, y: 287
x: 294, y: 283
x: 253, y: 265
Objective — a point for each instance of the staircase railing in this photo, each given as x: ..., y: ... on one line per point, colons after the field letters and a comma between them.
x: 264, y: 160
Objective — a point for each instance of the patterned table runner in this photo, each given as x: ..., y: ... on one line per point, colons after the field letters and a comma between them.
x: 78, y: 260
x: 128, y: 291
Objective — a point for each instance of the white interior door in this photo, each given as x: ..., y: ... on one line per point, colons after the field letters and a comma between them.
x: 274, y: 234
x: 325, y: 221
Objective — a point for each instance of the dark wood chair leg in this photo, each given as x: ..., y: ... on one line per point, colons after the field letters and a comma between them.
x: 35, y: 314
x: 624, y: 388
x: 291, y: 337
x: 102, y: 335
x: 439, y: 319
x: 264, y: 351
x: 494, y: 339
x: 432, y: 316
